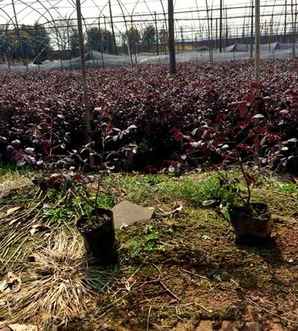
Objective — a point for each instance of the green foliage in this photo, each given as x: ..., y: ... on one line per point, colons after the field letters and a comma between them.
x: 133, y: 37
x: 291, y: 188
x: 56, y: 215
x: 30, y: 41
x: 39, y: 42
x: 195, y: 192
x: 100, y: 40
x: 138, y: 188
x: 198, y: 193
x: 67, y: 206
x: 7, y: 169
x: 149, y: 38
x: 163, y: 39
x: 74, y: 43
x: 85, y: 204
x: 146, y: 242
x: 105, y: 200
x: 230, y: 190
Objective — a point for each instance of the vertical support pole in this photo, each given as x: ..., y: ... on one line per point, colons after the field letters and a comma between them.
x: 241, y: 38
x: 105, y: 23
x: 164, y: 14
x: 252, y: 30
x: 171, y: 37
x: 133, y: 42
x: 257, y: 29
x: 101, y: 43
x: 265, y: 38
x: 209, y: 32
x: 293, y: 14
x: 196, y: 41
x: 182, y: 37
x: 227, y: 27
x: 220, y: 26
x: 112, y: 28
x: 17, y: 28
x: 156, y: 34
x: 128, y: 41
x: 83, y: 71
x: 216, y: 34
x: 271, y: 40
x: 285, y: 21
x: 68, y: 24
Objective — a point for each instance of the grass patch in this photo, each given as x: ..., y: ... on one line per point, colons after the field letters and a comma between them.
x: 145, y: 242
x: 146, y: 188
x: 288, y: 188
x: 12, y: 172
x: 137, y: 188
x: 193, y: 192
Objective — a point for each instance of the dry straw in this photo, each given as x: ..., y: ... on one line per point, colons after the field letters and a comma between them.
x: 57, y: 288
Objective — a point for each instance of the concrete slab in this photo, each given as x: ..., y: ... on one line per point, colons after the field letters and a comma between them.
x: 127, y: 213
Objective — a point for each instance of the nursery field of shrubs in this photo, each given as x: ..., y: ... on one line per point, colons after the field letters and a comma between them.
x: 144, y: 119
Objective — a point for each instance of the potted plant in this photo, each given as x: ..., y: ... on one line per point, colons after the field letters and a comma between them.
x: 251, y: 220
x: 97, y: 229
x: 96, y: 225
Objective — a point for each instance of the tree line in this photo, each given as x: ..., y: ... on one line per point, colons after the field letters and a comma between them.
x: 102, y: 40
x: 25, y: 42
x: 35, y: 43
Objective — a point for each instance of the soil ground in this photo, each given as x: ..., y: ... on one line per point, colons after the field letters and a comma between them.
x: 183, y: 270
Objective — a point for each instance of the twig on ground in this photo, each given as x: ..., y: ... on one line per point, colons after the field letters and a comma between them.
x: 203, y: 307
x: 148, y: 318
x: 169, y: 291
x: 271, y: 312
x: 195, y: 275
x: 163, y: 285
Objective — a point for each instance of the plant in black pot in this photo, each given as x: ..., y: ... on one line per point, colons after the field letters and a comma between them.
x: 251, y: 220
x: 96, y: 225
x: 68, y: 197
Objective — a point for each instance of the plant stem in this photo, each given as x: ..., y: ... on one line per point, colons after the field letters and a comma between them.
x: 97, y: 192
x: 246, y: 181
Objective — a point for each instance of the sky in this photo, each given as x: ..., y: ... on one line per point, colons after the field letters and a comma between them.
x: 29, y: 11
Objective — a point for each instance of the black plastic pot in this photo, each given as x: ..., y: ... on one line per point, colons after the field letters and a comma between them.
x: 252, y: 224
x: 99, y: 236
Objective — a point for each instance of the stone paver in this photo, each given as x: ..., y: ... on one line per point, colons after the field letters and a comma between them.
x: 127, y: 213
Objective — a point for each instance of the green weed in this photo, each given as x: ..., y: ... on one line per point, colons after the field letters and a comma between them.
x: 138, y: 188
x: 289, y: 188
x: 196, y: 192
x: 105, y: 200
x: 63, y: 206
x: 148, y: 241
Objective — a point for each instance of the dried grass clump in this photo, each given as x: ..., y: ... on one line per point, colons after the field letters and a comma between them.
x: 10, y: 182
x: 56, y: 289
